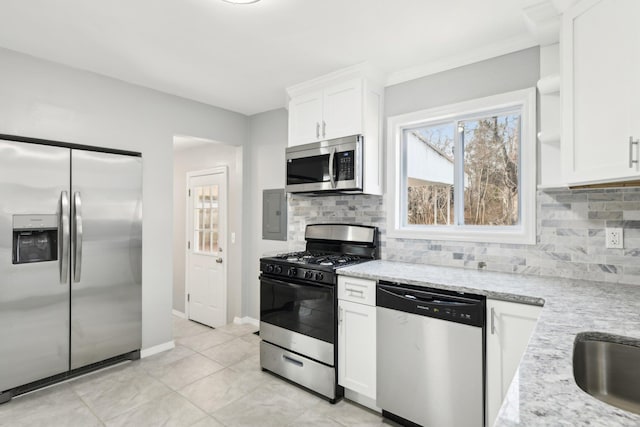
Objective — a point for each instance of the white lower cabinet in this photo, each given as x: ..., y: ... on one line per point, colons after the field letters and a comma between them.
x: 357, y: 343
x: 509, y: 327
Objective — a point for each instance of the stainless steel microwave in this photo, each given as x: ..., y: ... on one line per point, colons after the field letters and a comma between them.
x: 325, y: 166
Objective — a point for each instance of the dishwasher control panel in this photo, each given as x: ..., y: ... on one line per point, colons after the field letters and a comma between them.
x: 454, y: 307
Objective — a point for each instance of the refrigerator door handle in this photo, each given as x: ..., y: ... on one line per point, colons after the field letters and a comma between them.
x: 64, y: 237
x: 77, y: 236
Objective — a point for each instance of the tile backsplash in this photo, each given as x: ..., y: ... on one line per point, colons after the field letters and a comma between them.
x: 570, y: 235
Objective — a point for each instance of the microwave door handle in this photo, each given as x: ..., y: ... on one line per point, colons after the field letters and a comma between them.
x: 331, y: 171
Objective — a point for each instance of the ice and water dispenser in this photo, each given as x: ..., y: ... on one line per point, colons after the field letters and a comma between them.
x: 35, y: 238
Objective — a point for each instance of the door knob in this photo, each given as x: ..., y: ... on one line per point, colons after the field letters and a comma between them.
x: 219, y: 260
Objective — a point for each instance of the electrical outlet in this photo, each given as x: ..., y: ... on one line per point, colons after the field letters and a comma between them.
x: 614, y: 238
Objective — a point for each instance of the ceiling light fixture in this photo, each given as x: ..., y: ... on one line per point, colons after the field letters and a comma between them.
x: 241, y: 1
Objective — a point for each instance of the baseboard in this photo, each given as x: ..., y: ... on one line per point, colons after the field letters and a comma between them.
x: 157, y: 349
x: 362, y: 400
x: 246, y: 319
x: 179, y: 314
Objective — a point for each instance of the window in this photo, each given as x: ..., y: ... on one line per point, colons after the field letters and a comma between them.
x: 205, y: 233
x: 465, y: 171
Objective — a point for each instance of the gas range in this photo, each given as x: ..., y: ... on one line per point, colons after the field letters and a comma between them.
x: 299, y: 305
x: 309, y: 265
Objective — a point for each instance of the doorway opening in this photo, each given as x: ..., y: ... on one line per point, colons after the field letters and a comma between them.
x: 207, y: 230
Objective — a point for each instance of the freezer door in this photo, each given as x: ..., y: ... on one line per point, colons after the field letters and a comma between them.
x: 106, y: 256
x: 34, y: 304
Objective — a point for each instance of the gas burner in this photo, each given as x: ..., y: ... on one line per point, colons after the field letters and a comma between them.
x: 335, y: 259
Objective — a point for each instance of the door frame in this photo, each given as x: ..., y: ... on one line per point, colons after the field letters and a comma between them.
x: 224, y: 170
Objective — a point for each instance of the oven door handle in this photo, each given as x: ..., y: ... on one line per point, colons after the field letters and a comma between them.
x: 273, y: 281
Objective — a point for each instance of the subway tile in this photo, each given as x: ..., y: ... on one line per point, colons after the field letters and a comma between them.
x: 606, y: 268
x: 607, y: 195
x: 632, y: 196
x: 570, y: 234
x: 608, y: 215
x: 631, y: 215
x: 624, y: 224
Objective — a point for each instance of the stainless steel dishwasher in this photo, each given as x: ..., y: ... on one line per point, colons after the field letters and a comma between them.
x: 430, y: 349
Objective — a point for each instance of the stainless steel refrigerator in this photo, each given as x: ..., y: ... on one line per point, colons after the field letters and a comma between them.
x: 70, y: 260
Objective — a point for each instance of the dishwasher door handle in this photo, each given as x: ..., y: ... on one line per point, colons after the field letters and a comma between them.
x: 435, y: 300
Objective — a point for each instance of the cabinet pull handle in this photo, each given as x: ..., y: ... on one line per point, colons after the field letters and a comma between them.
x: 340, y: 315
x: 355, y: 291
x: 493, y: 321
x: 324, y: 129
x: 317, y: 130
x: 631, y: 144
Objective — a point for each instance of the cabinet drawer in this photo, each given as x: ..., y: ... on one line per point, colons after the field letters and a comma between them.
x: 356, y: 289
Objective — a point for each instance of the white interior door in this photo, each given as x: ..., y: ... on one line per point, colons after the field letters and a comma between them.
x: 207, y: 231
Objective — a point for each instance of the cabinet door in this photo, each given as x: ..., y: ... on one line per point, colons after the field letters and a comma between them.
x: 601, y: 46
x: 357, y: 347
x: 509, y: 327
x: 305, y: 119
x: 342, y: 110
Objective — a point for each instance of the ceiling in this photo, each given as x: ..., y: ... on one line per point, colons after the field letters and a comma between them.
x: 242, y: 57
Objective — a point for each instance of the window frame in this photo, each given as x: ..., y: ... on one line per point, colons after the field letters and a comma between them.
x: 522, y: 233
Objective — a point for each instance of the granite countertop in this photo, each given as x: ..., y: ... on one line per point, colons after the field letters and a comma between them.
x: 546, y: 393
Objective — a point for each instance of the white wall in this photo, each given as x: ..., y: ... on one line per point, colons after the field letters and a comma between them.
x: 42, y: 99
x: 265, y: 169
x: 201, y: 158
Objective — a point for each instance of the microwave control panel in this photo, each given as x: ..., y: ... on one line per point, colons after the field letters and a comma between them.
x: 346, y: 165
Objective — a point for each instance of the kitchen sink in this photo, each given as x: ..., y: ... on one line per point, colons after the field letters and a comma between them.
x: 608, y: 368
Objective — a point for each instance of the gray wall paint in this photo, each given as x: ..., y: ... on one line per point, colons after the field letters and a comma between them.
x: 264, y: 169
x: 496, y: 75
x: 196, y: 159
x: 42, y: 99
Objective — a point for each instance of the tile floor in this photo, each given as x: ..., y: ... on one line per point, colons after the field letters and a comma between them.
x: 211, y: 378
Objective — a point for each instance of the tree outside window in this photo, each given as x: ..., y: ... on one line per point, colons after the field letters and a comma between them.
x: 464, y: 171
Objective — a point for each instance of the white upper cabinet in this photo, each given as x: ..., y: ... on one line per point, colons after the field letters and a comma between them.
x: 601, y: 91
x: 305, y: 117
x: 346, y: 102
x: 342, y: 110
x: 332, y: 112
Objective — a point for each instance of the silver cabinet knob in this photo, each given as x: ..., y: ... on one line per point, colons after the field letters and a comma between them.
x: 219, y: 260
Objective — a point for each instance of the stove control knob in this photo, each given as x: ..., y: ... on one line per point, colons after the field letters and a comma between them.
x: 278, y: 269
x: 308, y: 274
x: 292, y: 272
x: 269, y: 268
x: 319, y: 276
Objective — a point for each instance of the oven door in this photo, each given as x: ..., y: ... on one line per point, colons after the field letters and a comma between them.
x: 307, y: 309
x: 334, y: 165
